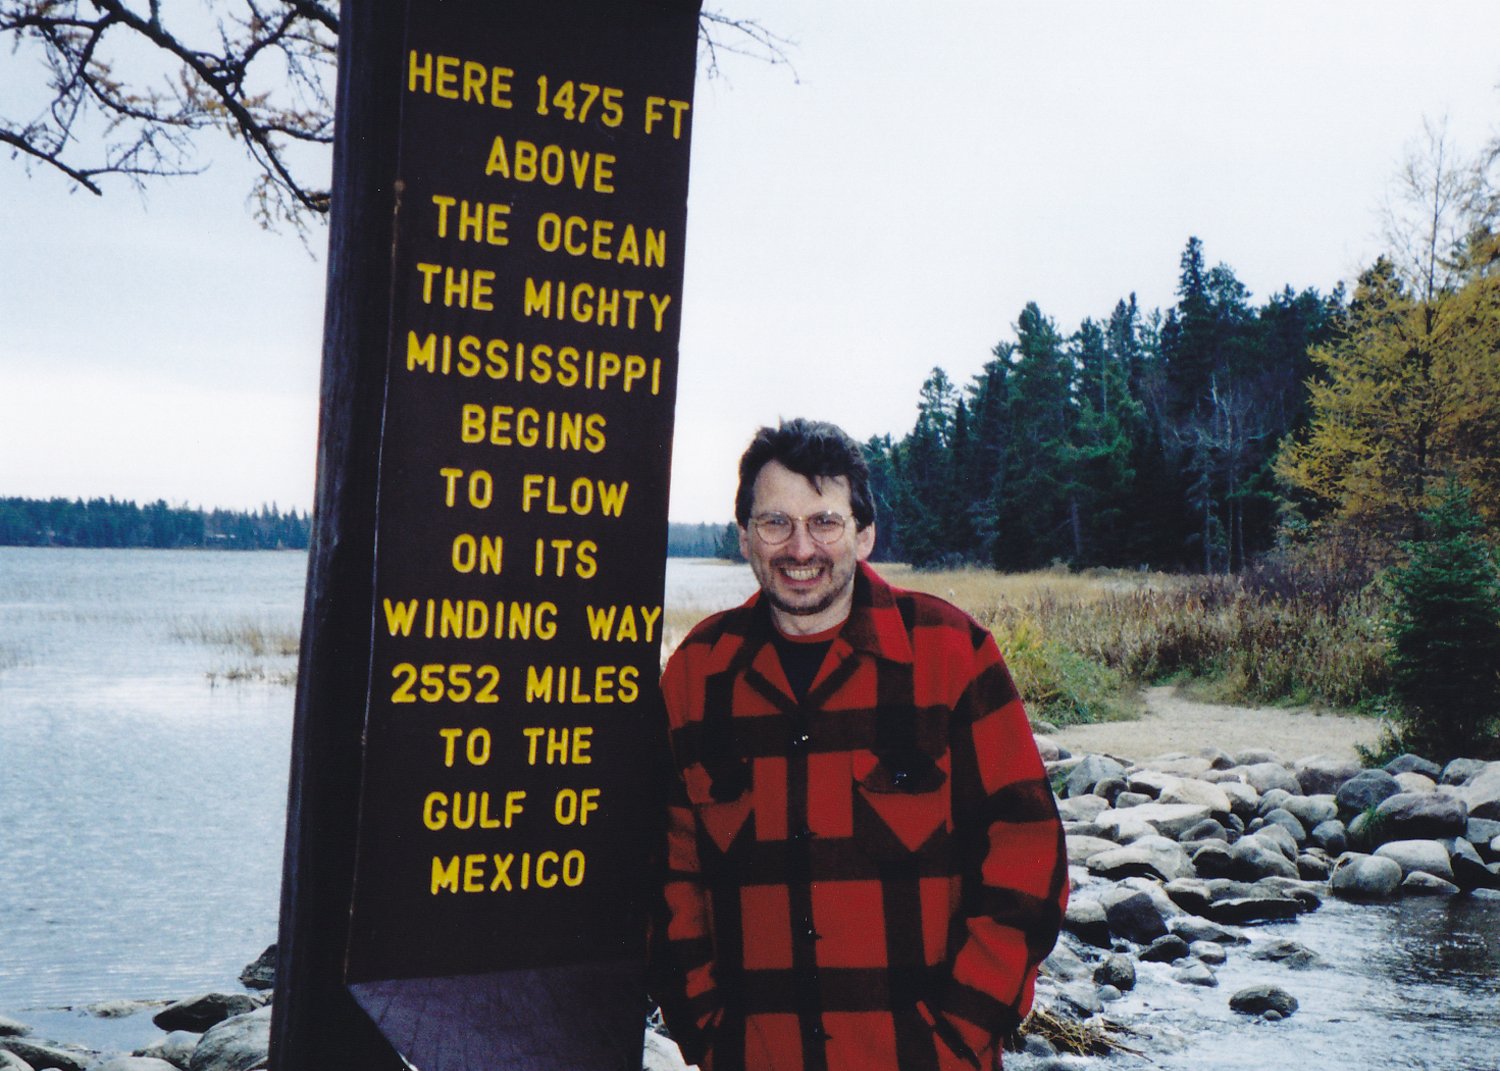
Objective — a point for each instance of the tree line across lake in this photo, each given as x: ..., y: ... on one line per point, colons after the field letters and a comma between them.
x: 108, y: 522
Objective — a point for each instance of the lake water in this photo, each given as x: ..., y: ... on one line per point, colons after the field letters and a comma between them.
x: 143, y: 770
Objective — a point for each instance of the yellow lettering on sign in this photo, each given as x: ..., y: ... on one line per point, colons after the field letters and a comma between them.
x: 453, y: 78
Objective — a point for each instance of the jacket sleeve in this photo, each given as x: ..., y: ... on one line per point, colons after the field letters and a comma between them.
x: 1012, y: 853
x: 683, y: 971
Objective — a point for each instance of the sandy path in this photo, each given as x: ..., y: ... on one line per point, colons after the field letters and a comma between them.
x: 1174, y: 724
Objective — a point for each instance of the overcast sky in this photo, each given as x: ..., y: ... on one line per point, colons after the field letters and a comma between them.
x: 889, y: 207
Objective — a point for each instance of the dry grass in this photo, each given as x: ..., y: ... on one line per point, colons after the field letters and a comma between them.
x: 264, y: 648
x: 1095, y: 1036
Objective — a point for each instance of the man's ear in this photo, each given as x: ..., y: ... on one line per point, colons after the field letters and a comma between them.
x: 864, y: 541
x: 744, y: 541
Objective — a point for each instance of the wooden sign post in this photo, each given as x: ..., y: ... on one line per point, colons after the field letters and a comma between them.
x: 471, y: 819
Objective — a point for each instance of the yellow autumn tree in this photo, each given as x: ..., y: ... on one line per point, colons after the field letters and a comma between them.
x: 1409, y: 393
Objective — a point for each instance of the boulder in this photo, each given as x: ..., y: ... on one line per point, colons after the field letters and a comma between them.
x: 1046, y: 747
x: 1254, y: 857
x: 1264, y: 776
x: 133, y: 1063
x: 176, y: 1048
x: 1308, y: 893
x: 1364, y: 790
x: 42, y: 1055
x: 1218, y: 758
x: 1312, y: 867
x: 1311, y: 810
x: 239, y: 1043
x: 1082, y: 849
x: 1415, y: 782
x: 1329, y: 836
x: 1110, y: 788
x: 1260, y: 999
x: 1181, y: 765
x: 1258, y: 757
x: 1209, y: 952
x: 1149, y: 782
x: 1469, y: 869
x: 9, y: 1061
x: 1481, y: 831
x: 1481, y: 792
x: 1153, y: 857
x: 1122, y: 827
x: 1089, y: 772
x: 1086, y: 920
x: 1190, y: 895
x: 1196, y: 931
x: 1288, y: 821
x: 1083, y: 808
x: 1116, y: 970
x: 1212, y: 859
x: 1419, y: 816
x: 13, y: 1028
x: 1064, y: 965
x: 1243, y: 799
x: 1323, y: 774
x: 1420, y: 883
x: 1286, y: 952
x: 198, y: 1013
x: 1195, y: 974
x: 1271, y: 800
x: 1409, y: 763
x: 1168, y: 948
x: 1168, y: 819
x: 1246, y: 910
x: 1135, y: 918
x: 1365, y: 877
x: 1207, y: 829
x: 1460, y: 770
x: 260, y: 974
x: 1428, y: 856
x: 1133, y: 799
x: 1197, y: 793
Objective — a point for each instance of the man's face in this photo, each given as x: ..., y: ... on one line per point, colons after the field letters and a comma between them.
x: 810, y: 585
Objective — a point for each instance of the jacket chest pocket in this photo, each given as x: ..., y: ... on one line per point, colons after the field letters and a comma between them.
x: 726, y: 827
x: 901, y: 813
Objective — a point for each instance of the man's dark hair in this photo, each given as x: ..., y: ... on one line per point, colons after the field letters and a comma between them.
x: 811, y: 448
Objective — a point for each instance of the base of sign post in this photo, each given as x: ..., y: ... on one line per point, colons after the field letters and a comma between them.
x: 589, y: 1017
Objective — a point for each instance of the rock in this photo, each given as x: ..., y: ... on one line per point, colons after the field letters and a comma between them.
x: 1420, y: 883
x: 1271, y: 800
x: 1181, y: 765
x: 1288, y: 821
x: 1258, y: 757
x: 1135, y: 918
x: 41, y: 1055
x: 1365, y: 877
x: 239, y: 1043
x: 1148, y: 782
x: 1323, y: 774
x: 1329, y: 836
x: 1064, y: 965
x: 1409, y: 763
x: 1197, y: 793
x: 1195, y: 974
x: 12, y: 1028
x: 1218, y: 758
x: 1089, y: 772
x: 1364, y: 790
x: 1082, y: 849
x: 1263, y: 999
x: 1286, y: 952
x: 1156, y: 857
x: 176, y: 1048
x: 1190, y: 894
x: 133, y: 1063
x: 1481, y: 792
x: 1311, y: 810
x: 1460, y: 770
x: 1123, y: 827
x: 1046, y: 747
x: 1198, y: 931
x: 1469, y: 869
x: 1207, y: 829
x: 1086, y: 920
x: 260, y: 974
x: 1209, y: 952
x: 1419, y: 816
x: 199, y: 1013
x: 1308, y: 893
x: 1243, y: 799
x: 1415, y: 782
x: 116, y: 1009
x: 1110, y: 788
x: 1481, y: 831
x: 660, y: 1053
x: 1168, y: 819
x: 1264, y: 776
x: 1167, y: 948
x: 1313, y: 867
x: 1083, y: 808
x: 1427, y: 856
x: 9, y: 1061
x: 1116, y: 970
x: 1254, y: 857
x: 1132, y: 799
x: 1244, y: 910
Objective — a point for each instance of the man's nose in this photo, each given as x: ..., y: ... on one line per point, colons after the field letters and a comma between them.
x: 802, y: 544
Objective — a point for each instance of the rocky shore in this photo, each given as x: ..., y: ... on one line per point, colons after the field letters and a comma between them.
x: 1174, y: 863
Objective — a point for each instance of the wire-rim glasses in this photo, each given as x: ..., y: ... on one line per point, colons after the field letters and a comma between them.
x: 776, y: 528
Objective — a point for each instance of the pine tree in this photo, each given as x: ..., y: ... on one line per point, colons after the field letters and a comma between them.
x: 1446, y: 633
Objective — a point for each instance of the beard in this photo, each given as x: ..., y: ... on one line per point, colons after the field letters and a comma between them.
x: 839, y: 581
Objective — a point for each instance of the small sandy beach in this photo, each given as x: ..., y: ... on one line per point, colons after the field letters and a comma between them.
x: 1172, y: 723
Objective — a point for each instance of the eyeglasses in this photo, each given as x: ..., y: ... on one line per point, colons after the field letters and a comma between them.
x: 776, y: 528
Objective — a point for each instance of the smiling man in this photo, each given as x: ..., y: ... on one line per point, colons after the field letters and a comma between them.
x: 865, y: 862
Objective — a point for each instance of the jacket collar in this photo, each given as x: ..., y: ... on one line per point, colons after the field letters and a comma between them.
x: 874, y: 625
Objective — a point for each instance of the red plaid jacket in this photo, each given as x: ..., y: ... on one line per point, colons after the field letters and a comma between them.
x: 865, y: 880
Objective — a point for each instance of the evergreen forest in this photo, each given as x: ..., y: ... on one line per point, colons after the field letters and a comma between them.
x: 100, y: 522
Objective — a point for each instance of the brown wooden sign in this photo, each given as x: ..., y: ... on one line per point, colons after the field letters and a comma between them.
x: 520, y: 470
